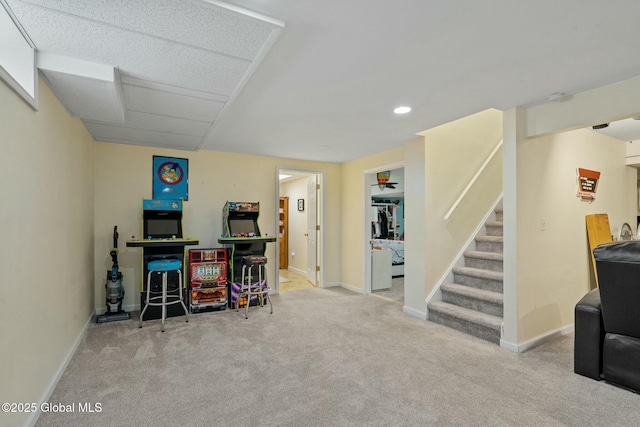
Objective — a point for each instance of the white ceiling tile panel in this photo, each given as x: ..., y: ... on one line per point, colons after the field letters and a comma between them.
x: 180, y: 62
x: 86, y: 97
x: 176, y: 144
x: 138, y: 55
x: 151, y: 101
x: 173, y: 146
x: 194, y: 23
x: 145, y: 121
x: 173, y: 89
x: 110, y: 133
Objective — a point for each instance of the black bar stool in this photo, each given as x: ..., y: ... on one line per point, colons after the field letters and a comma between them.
x: 256, y: 291
x: 163, y: 266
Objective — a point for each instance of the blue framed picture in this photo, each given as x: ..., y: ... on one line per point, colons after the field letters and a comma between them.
x: 170, y: 178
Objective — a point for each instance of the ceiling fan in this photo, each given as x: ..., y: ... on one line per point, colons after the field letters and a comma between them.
x: 383, y: 180
x: 385, y: 185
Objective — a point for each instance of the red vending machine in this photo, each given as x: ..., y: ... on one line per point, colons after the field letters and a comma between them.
x: 207, y: 279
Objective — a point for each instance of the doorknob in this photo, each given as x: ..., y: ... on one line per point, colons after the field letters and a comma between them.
x: 306, y: 235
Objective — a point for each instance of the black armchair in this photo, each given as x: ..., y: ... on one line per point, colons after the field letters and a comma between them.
x: 607, y: 319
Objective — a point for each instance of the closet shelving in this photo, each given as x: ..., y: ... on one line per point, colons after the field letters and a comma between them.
x: 283, y: 232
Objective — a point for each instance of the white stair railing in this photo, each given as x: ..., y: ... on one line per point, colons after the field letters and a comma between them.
x: 473, y: 180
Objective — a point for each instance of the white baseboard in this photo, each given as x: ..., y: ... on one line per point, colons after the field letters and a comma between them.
x: 415, y: 313
x: 507, y: 345
x: 33, y: 419
x: 352, y: 288
x: 332, y: 285
x: 535, y: 342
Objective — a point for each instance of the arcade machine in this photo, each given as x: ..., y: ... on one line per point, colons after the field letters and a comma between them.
x: 162, y: 227
x: 242, y: 234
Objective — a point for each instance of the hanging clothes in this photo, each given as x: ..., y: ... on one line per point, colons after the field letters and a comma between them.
x: 384, y: 224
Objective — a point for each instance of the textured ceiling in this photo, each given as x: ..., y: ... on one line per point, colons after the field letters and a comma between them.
x: 198, y: 74
x: 180, y: 63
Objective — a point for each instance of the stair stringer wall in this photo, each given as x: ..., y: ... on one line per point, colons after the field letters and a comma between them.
x: 458, y: 261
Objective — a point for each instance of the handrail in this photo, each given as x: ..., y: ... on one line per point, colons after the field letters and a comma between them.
x: 473, y: 180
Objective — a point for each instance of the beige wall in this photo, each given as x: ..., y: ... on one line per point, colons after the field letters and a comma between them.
x: 553, y: 266
x: 454, y: 153
x: 47, y: 261
x: 297, y: 224
x: 538, y: 304
x: 123, y: 179
x: 352, y: 218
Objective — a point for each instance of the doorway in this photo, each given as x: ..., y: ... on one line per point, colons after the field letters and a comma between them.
x: 299, y: 216
x: 384, y: 246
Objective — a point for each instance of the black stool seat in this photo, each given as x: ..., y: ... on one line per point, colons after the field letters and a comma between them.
x: 254, y: 260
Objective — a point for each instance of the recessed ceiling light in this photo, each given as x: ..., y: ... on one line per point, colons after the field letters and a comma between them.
x: 402, y: 110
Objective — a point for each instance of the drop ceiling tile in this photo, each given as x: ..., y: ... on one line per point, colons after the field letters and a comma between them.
x: 180, y: 63
x: 195, y: 23
x: 151, y: 101
x: 172, y: 89
x: 173, y: 125
x: 136, y: 54
x: 86, y: 97
x: 110, y: 133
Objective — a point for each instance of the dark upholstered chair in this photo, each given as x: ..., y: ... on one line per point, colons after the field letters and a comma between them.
x: 607, y: 319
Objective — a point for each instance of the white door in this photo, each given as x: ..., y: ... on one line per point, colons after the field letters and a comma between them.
x: 312, y: 230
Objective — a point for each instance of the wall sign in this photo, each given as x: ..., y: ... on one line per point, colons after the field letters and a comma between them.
x: 170, y: 178
x: 587, y: 184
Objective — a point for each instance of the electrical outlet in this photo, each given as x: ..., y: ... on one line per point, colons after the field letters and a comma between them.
x: 543, y: 224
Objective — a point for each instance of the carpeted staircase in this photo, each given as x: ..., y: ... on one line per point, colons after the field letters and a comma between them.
x: 473, y: 302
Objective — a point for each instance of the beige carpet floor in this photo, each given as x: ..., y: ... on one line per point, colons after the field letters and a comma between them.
x: 325, y: 357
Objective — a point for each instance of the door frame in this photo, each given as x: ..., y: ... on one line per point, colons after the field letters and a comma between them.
x: 366, y: 176
x: 320, y: 206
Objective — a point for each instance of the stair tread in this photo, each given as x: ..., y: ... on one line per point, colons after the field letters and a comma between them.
x: 494, y: 223
x: 480, y: 294
x: 487, y: 320
x: 479, y: 272
x: 494, y: 256
x: 490, y: 238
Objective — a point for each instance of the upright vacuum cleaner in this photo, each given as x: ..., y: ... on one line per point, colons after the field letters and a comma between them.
x: 115, y: 290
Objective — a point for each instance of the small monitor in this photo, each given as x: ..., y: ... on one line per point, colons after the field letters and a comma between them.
x: 162, y: 225
x: 243, y: 226
x: 163, y: 228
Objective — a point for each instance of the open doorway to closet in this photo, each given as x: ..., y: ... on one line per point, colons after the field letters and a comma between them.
x: 385, y: 197
x: 299, y: 229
